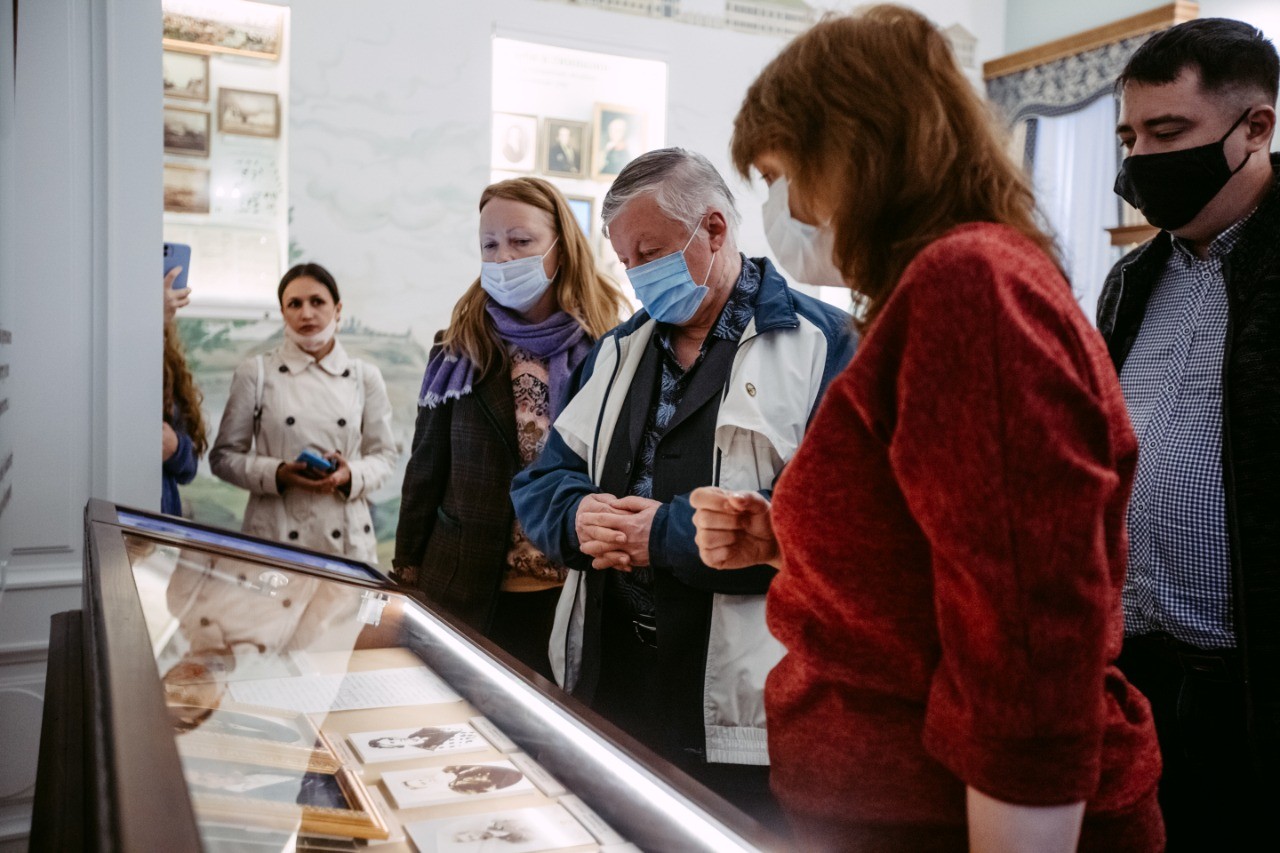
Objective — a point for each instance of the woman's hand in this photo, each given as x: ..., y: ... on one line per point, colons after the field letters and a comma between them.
x: 296, y: 475
x: 168, y: 441
x: 174, y: 299
x: 735, y: 529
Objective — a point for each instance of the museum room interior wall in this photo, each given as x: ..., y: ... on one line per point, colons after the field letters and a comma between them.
x: 1032, y: 22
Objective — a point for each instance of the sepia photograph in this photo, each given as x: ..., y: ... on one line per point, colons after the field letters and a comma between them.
x: 186, y: 189
x: 240, y: 27
x: 186, y: 132
x: 186, y: 75
x: 531, y: 830
x: 565, y: 147
x: 398, y: 744
x: 455, y: 783
x: 619, y: 135
x: 515, y: 142
x: 280, y: 738
x: 332, y: 803
x: 247, y: 113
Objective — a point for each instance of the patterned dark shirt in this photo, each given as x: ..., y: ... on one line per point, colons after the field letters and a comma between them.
x: 1179, y: 576
x: 636, y: 586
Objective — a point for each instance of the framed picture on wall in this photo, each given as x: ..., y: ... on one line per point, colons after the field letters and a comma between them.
x: 247, y: 113
x: 186, y: 132
x: 186, y: 189
x: 515, y: 142
x: 566, y: 147
x: 619, y: 134
x: 583, y: 209
x: 241, y: 27
x: 186, y: 75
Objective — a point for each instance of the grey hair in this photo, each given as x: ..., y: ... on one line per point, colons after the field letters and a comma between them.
x: 683, y: 183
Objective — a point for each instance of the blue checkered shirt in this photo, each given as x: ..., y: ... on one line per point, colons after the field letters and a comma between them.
x: 636, y: 586
x: 1179, y: 578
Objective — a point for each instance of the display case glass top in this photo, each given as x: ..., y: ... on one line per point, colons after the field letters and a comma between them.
x: 307, y: 703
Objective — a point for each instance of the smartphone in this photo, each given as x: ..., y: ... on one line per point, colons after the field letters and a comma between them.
x: 317, y: 464
x: 177, y: 255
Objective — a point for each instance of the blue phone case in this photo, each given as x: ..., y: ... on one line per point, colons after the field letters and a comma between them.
x: 177, y: 255
x: 317, y: 462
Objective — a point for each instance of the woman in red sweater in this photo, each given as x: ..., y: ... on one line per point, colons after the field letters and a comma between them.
x: 950, y: 536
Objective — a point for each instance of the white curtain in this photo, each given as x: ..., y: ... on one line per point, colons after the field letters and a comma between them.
x: 1074, y: 168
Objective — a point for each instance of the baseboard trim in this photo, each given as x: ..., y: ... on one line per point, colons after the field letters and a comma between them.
x: 15, y: 654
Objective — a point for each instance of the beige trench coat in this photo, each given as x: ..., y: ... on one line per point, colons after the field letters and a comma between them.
x: 306, y: 403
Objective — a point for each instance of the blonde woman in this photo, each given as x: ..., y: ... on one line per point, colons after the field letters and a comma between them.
x: 496, y: 380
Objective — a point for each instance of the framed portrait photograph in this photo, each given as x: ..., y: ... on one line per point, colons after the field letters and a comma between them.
x: 566, y: 147
x: 330, y: 803
x: 280, y: 738
x: 247, y: 113
x: 515, y: 142
x: 240, y: 27
x: 186, y: 189
x: 530, y: 830
x: 583, y: 209
x: 419, y: 742
x: 455, y: 783
x: 186, y: 75
x: 186, y: 132
x: 620, y: 137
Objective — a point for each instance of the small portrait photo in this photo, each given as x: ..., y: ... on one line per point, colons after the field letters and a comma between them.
x: 583, y: 209
x: 398, y: 744
x: 186, y: 132
x: 249, y: 113
x: 511, y: 831
x: 186, y: 75
x: 565, y: 148
x: 455, y: 783
x: 186, y: 189
x: 515, y: 142
x: 619, y: 135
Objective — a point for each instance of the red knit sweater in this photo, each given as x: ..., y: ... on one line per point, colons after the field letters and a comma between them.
x: 954, y: 542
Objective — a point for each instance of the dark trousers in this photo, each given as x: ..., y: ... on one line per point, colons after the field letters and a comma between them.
x: 522, y: 626
x: 1209, y: 792
x: 631, y: 695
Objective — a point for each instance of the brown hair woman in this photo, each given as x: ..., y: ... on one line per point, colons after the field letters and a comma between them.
x: 496, y: 379
x: 950, y: 630
x: 183, y: 439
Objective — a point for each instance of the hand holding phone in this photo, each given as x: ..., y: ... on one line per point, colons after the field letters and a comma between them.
x: 318, y: 467
x: 177, y: 255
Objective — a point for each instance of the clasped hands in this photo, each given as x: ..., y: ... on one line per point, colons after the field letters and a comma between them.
x: 613, y: 531
x: 295, y: 475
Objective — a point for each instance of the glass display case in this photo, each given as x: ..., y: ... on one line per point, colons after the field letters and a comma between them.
x: 239, y: 694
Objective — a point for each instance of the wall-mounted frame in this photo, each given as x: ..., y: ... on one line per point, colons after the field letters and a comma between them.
x: 186, y: 132
x: 619, y: 135
x: 583, y: 208
x: 515, y: 142
x: 186, y: 75
x: 247, y: 113
x: 186, y: 189
x: 242, y: 28
x: 566, y: 148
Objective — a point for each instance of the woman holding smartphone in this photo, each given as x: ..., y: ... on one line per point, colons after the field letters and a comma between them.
x: 496, y: 379
x: 950, y: 536
x: 307, y: 429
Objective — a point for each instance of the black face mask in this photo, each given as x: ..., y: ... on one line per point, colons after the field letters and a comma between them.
x: 1171, y: 188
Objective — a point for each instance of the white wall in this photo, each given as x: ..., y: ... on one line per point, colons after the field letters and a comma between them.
x: 1032, y: 22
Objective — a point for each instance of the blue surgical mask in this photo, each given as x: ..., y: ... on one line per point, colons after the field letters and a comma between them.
x: 666, y: 288
x: 517, y: 284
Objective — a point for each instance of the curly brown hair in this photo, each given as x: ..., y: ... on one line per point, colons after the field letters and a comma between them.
x: 896, y: 141
x: 182, y: 398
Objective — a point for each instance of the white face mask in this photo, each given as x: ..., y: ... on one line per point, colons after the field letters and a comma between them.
x: 313, y: 343
x: 803, y: 250
x: 517, y: 284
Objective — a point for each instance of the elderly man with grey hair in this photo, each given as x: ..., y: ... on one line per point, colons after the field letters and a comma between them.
x: 713, y: 383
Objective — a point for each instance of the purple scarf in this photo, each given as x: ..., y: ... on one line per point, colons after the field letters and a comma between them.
x: 558, y: 340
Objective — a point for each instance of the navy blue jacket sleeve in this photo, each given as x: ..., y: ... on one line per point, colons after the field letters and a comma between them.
x: 181, y: 466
